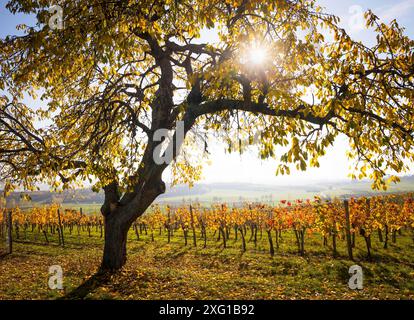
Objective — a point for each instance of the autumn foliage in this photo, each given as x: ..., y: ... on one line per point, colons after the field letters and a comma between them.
x: 382, y: 215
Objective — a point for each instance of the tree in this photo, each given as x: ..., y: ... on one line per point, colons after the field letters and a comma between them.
x: 118, y: 71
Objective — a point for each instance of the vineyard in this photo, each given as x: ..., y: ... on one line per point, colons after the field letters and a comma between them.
x: 332, y: 221
x: 294, y: 250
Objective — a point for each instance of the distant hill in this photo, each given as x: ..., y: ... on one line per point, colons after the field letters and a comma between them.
x: 215, y: 192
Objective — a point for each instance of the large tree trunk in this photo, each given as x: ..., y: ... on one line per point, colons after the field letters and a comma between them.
x: 119, y: 215
x: 114, y: 256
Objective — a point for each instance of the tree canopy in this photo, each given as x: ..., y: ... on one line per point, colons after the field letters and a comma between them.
x: 119, y: 70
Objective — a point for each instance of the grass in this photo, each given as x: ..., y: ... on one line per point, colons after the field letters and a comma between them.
x: 157, y: 270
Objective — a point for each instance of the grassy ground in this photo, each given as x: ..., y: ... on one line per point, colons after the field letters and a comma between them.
x: 157, y: 270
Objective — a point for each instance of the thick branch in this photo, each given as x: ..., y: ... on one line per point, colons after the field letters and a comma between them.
x: 257, y: 108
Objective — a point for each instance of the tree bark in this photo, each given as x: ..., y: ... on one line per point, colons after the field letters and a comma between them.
x: 114, y: 256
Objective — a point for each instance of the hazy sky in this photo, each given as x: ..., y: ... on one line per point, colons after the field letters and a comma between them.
x: 248, y: 168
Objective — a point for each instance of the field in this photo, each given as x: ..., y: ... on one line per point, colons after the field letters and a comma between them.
x: 209, y: 193
x: 157, y: 269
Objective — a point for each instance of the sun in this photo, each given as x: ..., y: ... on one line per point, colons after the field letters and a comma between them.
x: 257, y: 55
x: 254, y: 55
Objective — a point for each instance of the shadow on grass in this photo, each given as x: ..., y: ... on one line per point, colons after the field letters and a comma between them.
x: 3, y: 255
x: 94, y: 282
x: 176, y: 253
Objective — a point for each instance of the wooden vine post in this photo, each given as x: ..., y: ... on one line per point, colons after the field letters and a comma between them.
x: 60, y: 228
x: 169, y: 223
x: 348, y: 230
x: 3, y: 226
x: 9, y: 239
x: 192, y: 226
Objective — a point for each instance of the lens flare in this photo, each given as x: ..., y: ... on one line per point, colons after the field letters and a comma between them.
x: 257, y: 55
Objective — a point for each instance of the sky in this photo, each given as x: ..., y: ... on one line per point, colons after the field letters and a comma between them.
x: 248, y: 168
